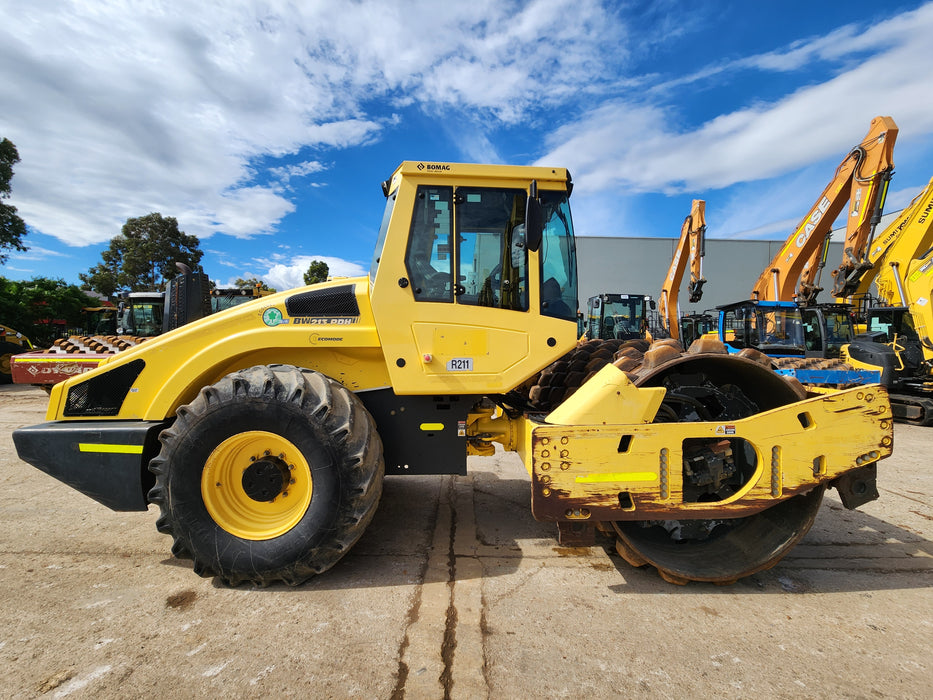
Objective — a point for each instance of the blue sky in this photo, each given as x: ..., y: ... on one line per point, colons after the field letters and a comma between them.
x: 266, y: 128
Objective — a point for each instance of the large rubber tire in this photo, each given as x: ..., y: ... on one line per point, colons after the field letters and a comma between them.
x: 7, y: 350
x: 271, y: 474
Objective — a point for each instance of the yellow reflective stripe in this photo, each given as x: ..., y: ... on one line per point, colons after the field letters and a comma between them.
x: 119, y: 449
x: 791, y: 240
x: 432, y: 427
x: 616, y: 476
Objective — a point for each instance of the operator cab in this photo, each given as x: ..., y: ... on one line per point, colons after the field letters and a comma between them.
x: 694, y: 326
x: 827, y: 329
x: 141, y: 314
x: 774, y: 328
x: 477, y: 264
x: 783, y: 328
x: 894, y: 326
x: 617, y: 316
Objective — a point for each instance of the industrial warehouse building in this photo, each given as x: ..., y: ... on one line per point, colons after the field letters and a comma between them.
x: 639, y: 266
x: 731, y: 267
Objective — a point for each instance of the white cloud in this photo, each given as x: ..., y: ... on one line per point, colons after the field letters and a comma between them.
x: 774, y: 158
x: 308, y: 167
x: 120, y: 109
x: 290, y: 274
x: 36, y: 253
x: 639, y: 147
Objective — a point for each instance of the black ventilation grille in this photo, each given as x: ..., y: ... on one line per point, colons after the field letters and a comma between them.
x: 334, y: 301
x: 103, y: 395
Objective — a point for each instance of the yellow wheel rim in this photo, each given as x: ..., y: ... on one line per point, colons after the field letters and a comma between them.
x: 256, y: 485
x: 6, y: 363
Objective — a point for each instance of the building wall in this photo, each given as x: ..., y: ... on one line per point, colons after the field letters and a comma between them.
x: 639, y: 265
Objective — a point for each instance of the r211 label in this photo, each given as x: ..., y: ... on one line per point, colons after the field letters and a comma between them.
x: 460, y: 364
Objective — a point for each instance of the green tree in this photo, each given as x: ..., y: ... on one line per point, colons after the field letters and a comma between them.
x: 12, y: 227
x: 142, y: 258
x: 42, y: 308
x: 253, y: 282
x: 317, y: 272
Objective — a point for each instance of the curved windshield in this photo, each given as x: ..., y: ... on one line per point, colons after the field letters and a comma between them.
x: 558, y: 258
x: 383, y: 230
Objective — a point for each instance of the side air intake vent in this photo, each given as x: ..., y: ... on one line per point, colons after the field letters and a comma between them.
x: 334, y: 301
x: 104, y: 394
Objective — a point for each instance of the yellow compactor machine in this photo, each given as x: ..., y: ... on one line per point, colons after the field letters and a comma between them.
x: 263, y: 433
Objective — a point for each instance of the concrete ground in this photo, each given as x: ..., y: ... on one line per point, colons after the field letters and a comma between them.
x: 456, y: 591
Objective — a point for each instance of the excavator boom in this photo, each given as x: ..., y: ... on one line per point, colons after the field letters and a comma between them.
x: 692, y: 239
x: 904, y: 240
x: 861, y: 179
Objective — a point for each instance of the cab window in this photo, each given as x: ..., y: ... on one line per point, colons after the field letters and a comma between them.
x: 558, y: 258
x: 429, y: 259
x: 491, y: 254
x: 739, y: 328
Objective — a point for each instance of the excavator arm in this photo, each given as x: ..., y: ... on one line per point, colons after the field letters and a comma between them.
x: 902, y: 265
x: 692, y: 239
x: 907, y: 238
x: 861, y: 179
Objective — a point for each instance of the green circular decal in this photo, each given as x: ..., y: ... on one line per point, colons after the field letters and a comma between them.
x: 273, y: 317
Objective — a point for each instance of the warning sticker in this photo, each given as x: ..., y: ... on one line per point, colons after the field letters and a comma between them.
x: 725, y: 430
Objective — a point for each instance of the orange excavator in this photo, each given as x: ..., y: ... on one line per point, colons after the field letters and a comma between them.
x: 691, y: 247
x: 861, y: 180
x: 782, y: 319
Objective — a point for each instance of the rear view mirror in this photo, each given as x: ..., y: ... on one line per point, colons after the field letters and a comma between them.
x: 534, y: 219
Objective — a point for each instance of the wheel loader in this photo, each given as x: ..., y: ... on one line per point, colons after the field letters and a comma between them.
x: 263, y: 434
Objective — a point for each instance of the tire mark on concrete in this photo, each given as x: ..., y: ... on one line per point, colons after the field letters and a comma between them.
x: 443, y: 653
x: 420, y: 662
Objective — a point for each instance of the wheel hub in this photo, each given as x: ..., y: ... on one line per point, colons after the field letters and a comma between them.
x: 265, y: 479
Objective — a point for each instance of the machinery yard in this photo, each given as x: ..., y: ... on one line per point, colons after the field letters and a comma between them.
x: 455, y: 590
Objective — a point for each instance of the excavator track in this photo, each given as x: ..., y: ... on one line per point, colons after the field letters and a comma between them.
x: 699, y: 387
x: 914, y: 410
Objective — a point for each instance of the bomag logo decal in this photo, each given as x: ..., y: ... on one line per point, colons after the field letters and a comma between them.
x: 433, y: 167
x: 273, y: 317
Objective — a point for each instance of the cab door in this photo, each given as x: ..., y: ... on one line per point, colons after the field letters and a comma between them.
x: 459, y: 314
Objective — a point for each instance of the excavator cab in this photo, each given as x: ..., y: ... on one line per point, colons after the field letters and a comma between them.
x: 827, y: 328
x: 894, y: 326
x: 694, y: 326
x: 617, y: 316
x: 774, y: 328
